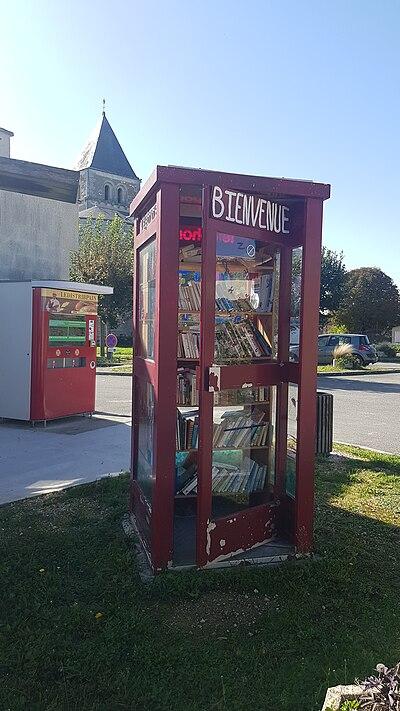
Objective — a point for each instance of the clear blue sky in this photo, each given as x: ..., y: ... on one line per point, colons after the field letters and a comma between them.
x: 295, y: 88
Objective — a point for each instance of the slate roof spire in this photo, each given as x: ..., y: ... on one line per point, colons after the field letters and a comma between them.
x: 103, y: 152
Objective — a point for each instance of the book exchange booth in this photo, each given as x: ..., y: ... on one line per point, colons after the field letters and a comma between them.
x: 223, y: 435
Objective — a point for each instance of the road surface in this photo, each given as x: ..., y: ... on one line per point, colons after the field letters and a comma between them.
x: 366, y: 410
x: 366, y: 407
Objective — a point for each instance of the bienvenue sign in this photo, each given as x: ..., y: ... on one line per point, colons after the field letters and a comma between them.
x: 250, y: 210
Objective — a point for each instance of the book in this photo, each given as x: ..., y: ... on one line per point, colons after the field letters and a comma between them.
x: 186, y: 388
x: 226, y: 481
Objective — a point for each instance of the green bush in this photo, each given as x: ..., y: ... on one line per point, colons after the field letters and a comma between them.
x: 348, y: 362
x: 390, y: 350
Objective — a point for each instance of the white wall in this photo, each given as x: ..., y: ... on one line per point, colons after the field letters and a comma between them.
x: 15, y: 350
x: 5, y: 143
x: 36, y: 236
x: 396, y: 334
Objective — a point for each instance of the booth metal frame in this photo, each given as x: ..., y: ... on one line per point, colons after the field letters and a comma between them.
x: 156, y: 216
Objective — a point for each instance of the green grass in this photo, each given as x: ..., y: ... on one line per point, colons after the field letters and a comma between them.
x: 372, y: 369
x: 237, y: 639
x: 122, y: 354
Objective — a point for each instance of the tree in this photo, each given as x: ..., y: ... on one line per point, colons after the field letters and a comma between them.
x: 333, y: 275
x: 104, y: 256
x: 371, y: 302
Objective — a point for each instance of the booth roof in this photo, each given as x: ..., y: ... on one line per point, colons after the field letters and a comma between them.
x: 66, y: 285
x: 236, y: 181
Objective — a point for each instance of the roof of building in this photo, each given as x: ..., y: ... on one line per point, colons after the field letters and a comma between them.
x: 103, y: 152
x: 5, y: 130
x: 65, y: 285
x: 107, y: 213
x: 21, y: 176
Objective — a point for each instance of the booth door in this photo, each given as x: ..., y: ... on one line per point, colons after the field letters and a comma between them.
x: 237, y: 507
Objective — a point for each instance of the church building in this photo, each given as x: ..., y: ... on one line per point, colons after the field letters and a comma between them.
x: 107, y: 182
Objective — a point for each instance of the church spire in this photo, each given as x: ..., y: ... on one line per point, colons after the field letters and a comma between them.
x: 104, y: 107
x: 104, y: 152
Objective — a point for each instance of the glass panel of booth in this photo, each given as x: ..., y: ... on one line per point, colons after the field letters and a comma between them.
x: 291, y: 458
x: 246, y: 289
x: 243, y: 459
x: 146, y: 299
x: 246, y: 312
x: 144, y: 410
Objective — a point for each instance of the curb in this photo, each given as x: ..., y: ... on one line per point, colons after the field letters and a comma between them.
x: 352, y: 373
x: 367, y: 449
x: 110, y: 373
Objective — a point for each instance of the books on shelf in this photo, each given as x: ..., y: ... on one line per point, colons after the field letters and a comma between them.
x: 186, y: 391
x: 241, y: 429
x: 187, y: 430
x: 189, y: 342
x: 239, y: 340
x: 239, y: 297
x: 189, y: 296
x: 237, y: 430
x: 246, y: 478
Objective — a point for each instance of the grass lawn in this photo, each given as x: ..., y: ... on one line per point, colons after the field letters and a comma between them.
x: 321, y: 369
x: 122, y: 354
x: 80, y: 631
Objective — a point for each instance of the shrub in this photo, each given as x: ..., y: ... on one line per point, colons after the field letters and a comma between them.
x: 389, y: 350
x: 344, y: 357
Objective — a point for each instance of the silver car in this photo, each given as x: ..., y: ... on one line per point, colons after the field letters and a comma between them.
x: 363, y: 351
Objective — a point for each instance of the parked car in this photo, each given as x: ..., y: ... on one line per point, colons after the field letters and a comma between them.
x: 364, y: 352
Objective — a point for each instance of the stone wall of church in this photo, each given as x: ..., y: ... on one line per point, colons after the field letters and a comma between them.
x: 36, y: 236
x: 93, y: 186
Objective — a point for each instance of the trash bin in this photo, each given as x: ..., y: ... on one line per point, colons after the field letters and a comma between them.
x: 324, y: 441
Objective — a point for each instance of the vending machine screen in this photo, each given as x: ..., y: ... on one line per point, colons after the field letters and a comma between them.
x: 67, y: 330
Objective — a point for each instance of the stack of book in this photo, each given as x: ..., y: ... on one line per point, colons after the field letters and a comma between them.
x: 187, y: 430
x: 241, y: 430
x: 190, y: 299
x: 189, y: 343
x: 188, y: 395
x: 189, y: 296
x: 239, y: 341
x: 224, y: 304
x: 227, y: 479
x: 186, y: 392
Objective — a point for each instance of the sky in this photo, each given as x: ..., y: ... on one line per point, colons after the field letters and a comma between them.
x: 296, y: 88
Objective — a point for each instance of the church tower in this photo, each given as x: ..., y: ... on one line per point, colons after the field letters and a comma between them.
x: 107, y: 183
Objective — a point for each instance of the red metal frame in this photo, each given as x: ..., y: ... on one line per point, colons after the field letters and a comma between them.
x: 156, y: 522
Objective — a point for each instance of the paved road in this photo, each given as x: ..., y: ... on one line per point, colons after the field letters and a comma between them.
x: 114, y: 395
x: 366, y: 410
x: 75, y: 450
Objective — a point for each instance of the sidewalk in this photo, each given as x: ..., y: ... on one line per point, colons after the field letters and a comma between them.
x: 71, y: 451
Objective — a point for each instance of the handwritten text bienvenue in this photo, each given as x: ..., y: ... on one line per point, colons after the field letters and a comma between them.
x: 249, y: 210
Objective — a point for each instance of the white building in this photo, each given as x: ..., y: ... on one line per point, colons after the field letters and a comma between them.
x: 38, y: 217
x: 396, y: 334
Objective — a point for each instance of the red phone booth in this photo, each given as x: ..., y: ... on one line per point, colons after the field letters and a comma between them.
x: 48, y: 358
x: 223, y: 434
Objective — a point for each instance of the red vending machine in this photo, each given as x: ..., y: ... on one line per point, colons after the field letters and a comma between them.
x: 52, y: 372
